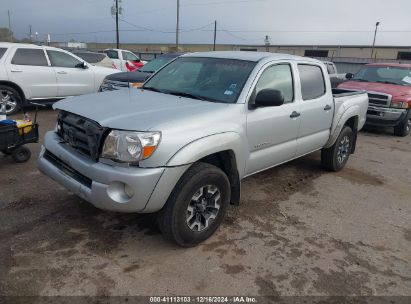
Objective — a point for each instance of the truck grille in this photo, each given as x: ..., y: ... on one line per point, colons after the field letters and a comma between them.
x: 112, y: 85
x: 80, y: 133
x: 379, y: 99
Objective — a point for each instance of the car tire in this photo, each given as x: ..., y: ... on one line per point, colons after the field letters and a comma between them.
x: 196, y: 206
x: 403, y: 129
x: 10, y: 99
x: 21, y: 154
x: 335, y: 157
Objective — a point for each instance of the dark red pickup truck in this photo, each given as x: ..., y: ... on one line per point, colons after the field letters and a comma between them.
x: 389, y: 91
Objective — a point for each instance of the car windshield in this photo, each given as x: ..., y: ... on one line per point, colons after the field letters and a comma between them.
x: 210, y: 79
x: 389, y: 75
x: 155, y: 64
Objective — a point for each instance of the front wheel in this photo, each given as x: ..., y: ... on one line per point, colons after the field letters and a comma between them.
x: 196, y: 207
x: 335, y: 157
x: 403, y: 129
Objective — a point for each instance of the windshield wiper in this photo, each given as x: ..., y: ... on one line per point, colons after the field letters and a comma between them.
x: 154, y: 89
x: 189, y: 95
x: 359, y: 79
x: 387, y: 82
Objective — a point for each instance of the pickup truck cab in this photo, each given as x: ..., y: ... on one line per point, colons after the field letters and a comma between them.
x: 389, y: 90
x: 44, y: 74
x: 335, y: 77
x: 125, y: 60
x: 181, y: 144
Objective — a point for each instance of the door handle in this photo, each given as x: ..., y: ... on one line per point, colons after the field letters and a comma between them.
x: 16, y: 71
x: 62, y: 72
x: 295, y: 114
x: 327, y: 108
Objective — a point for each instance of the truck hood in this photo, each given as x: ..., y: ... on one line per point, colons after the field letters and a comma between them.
x: 129, y: 76
x: 138, y: 110
x: 392, y: 89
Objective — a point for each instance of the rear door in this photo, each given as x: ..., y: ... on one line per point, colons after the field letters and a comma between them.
x: 30, y: 69
x: 317, y: 108
x: 72, y: 80
x: 272, y: 131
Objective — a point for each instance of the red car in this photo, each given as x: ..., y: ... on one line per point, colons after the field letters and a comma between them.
x: 389, y: 91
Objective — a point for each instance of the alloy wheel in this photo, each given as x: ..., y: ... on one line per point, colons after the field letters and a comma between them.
x: 203, y: 208
x: 343, y: 149
x: 8, y: 102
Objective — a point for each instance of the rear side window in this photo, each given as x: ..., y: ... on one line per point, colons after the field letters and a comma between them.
x: 277, y: 77
x: 112, y: 54
x: 130, y: 56
x: 34, y: 57
x: 312, y: 81
x: 2, y: 51
x: 91, y: 57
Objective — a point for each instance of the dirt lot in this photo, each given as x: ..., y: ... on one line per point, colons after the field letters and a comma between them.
x: 298, y: 231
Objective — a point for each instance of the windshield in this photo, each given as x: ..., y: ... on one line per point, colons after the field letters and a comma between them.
x: 389, y: 75
x: 211, y: 79
x: 155, y: 64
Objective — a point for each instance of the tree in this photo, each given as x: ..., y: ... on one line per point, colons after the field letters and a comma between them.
x: 6, y: 34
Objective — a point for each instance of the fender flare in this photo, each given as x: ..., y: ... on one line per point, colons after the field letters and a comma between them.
x: 348, y: 114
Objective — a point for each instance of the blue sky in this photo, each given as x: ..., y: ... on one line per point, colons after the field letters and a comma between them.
x: 315, y: 22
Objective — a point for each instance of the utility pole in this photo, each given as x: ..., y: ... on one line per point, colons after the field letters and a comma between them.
x: 215, y: 34
x: 11, y: 33
x: 30, y: 35
x: 117, y: 33
x: 375, y: 36
x: 178, y: 23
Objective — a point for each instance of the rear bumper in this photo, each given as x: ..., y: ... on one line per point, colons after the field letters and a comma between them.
x: 103, y: 185
x: 385, y: 117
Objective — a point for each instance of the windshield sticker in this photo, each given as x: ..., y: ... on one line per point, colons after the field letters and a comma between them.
x: 233, y: 87
x: 407, y: 79
x: 228, y: 92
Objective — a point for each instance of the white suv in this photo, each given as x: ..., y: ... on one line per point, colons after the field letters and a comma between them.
x: 43, y: 73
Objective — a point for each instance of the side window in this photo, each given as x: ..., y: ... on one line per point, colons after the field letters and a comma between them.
x: 112, y: 54
x: 64, y: 60
x: 130, y: 56
x: 35, y: 57
x: 330, y: 68
x: 2, y: 51
x: 312, y: 81
x: 278, y: 77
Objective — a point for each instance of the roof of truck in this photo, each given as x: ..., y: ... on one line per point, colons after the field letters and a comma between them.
x: 393, y: 65
x: 249, y: 56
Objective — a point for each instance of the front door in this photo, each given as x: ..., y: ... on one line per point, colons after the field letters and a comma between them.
x: 72, y: 79
x: 272, y: 131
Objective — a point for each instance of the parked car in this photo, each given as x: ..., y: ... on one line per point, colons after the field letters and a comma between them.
x: 137, y: 78
x: 389, y: 90
x: 44, y: 74
x: 125, y: 60
x: 94, y: 58
x: 182, y: 143
x: 335, y: 77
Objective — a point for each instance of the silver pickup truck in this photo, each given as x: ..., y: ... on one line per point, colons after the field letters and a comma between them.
x: 182, y: 143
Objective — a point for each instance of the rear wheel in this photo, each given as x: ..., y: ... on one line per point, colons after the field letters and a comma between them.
x: 335, y: 157
x: 196, y: 207
x: 21, y: 154
x: 403, y: 129
x: 10, y: 100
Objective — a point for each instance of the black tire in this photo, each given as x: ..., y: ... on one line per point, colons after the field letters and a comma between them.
x: 9, y: 93
x: 335, y: 157
x: 173, y: 219
x: 403, y: 129
x: 21, y: 154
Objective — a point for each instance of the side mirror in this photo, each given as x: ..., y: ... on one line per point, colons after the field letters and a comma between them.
x: 82, y: 65
x: 349, y: 76
x: 269, y: 98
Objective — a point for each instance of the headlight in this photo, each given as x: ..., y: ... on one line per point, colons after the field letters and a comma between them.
x: 130, y: 147
x: 399, y: 104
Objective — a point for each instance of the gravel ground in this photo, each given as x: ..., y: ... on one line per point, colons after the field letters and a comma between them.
x: 298, y: 231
